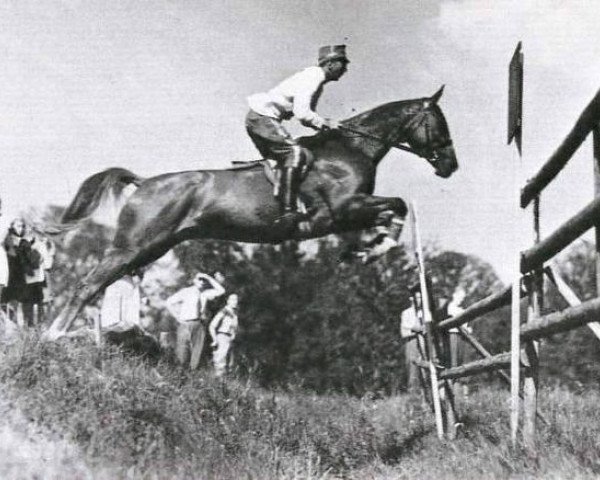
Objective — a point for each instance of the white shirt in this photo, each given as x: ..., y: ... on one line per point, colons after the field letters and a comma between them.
x: 192, y: 301
x: 408, y: 321
x: 295, y: 96
x: 3, y: 267
x: 121, y: 305
x: 453, y: 311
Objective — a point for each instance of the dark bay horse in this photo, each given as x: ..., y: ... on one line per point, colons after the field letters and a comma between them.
x: 238, y: 204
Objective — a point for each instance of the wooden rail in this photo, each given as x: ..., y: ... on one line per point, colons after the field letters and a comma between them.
x: 569, y: 231
x: 568, y: 319
x: 502, y: 360
x: 478, y: 309
x: 587, y: 121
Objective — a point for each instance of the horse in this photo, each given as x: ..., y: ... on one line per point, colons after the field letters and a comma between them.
x: 238, y: 204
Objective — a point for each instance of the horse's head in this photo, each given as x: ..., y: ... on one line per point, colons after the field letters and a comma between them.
x: 426, y: 132
x: 417, y: 126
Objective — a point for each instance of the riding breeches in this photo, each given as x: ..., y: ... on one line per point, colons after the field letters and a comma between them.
x: 273, y: 141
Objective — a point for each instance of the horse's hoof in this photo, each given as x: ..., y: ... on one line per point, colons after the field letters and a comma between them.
x: 352, y: 255
x: 380, y: 250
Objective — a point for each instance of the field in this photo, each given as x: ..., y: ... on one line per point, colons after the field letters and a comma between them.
x: 150, y: 420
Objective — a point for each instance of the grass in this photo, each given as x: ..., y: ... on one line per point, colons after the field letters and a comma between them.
x: 142, y: 419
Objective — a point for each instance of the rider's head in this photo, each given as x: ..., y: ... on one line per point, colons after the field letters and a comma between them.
x: 333, y: 61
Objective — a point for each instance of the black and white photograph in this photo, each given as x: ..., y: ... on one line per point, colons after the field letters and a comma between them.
x: 299, y: 240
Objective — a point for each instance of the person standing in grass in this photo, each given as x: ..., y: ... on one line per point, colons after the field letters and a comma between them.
x: 121, y: 304
x: 223, y: 329
x: 188, y: 306
x: 3, y: 263
x: 411, y: 320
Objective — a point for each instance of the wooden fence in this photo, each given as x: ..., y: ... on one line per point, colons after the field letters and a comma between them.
x: 531, y: 285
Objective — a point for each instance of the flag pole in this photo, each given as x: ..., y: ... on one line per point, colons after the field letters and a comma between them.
x: 515, y: 125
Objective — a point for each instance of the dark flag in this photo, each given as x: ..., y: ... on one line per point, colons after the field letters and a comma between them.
x: 515, y: 97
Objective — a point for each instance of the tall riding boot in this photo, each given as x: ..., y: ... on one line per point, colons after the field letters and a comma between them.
x: 289, y: 196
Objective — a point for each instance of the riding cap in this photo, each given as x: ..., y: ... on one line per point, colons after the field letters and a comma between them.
x: 332, y: 52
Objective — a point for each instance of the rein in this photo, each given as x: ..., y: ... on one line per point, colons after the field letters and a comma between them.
x: 417, y: 120
x: 377, y: 138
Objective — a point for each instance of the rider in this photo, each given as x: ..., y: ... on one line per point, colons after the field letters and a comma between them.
x: 297, y: 96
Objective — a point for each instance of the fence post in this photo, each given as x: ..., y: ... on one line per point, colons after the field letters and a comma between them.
x: 531, y: 360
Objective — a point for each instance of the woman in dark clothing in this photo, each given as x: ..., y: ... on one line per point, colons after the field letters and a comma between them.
x: 15, y: 289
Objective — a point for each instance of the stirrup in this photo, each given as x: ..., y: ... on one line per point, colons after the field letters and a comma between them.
x: 291, y: 216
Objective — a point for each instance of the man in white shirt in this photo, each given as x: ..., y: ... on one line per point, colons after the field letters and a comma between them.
x: 411, y: 320
x: 188, y: 306
x: 455, y: 309
x: 297, y: 96
x: 121, y: 304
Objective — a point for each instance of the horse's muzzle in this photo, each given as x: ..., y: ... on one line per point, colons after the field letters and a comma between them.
x: 445, y: 162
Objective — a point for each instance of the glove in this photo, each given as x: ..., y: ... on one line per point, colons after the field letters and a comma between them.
x: 331, y: 124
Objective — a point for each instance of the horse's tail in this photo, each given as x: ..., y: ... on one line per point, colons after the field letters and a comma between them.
x: 108, y: 186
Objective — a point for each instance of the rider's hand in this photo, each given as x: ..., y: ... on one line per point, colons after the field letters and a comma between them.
x: 331, y: 124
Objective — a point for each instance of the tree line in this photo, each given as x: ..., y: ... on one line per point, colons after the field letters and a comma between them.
x: 307, y: 320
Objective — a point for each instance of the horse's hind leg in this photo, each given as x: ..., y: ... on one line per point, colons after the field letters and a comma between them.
x: 114, y: 265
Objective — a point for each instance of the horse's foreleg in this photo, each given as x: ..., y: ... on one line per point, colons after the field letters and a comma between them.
x: 369, y: 210
x: 380, y: 218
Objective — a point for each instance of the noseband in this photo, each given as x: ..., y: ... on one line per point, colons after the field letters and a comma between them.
x: 420, y: 120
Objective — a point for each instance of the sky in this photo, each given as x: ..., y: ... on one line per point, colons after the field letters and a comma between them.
x: 161, y: 85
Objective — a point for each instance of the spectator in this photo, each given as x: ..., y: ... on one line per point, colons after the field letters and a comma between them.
x: 223, y: 329
x: 454, y: 308
x: 122, y: 319
x: 48, y: 251
x: 411, y: 320
x: 188, y: 307
x: 121, y: 304
x: 36, y: 261
x: 16, y: 273
x: 3, y: 265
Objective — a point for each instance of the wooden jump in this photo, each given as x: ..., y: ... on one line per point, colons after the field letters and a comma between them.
x: 523, y: 358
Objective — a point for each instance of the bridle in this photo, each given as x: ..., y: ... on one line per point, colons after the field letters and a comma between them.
x: 421, y: 119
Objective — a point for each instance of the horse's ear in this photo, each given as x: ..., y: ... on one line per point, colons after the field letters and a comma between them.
x: 436, y: 96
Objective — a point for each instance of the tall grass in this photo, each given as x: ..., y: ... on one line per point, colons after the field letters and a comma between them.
x: 135, y: 418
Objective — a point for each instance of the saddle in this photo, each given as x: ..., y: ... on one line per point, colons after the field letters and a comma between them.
x: 272, y: 173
